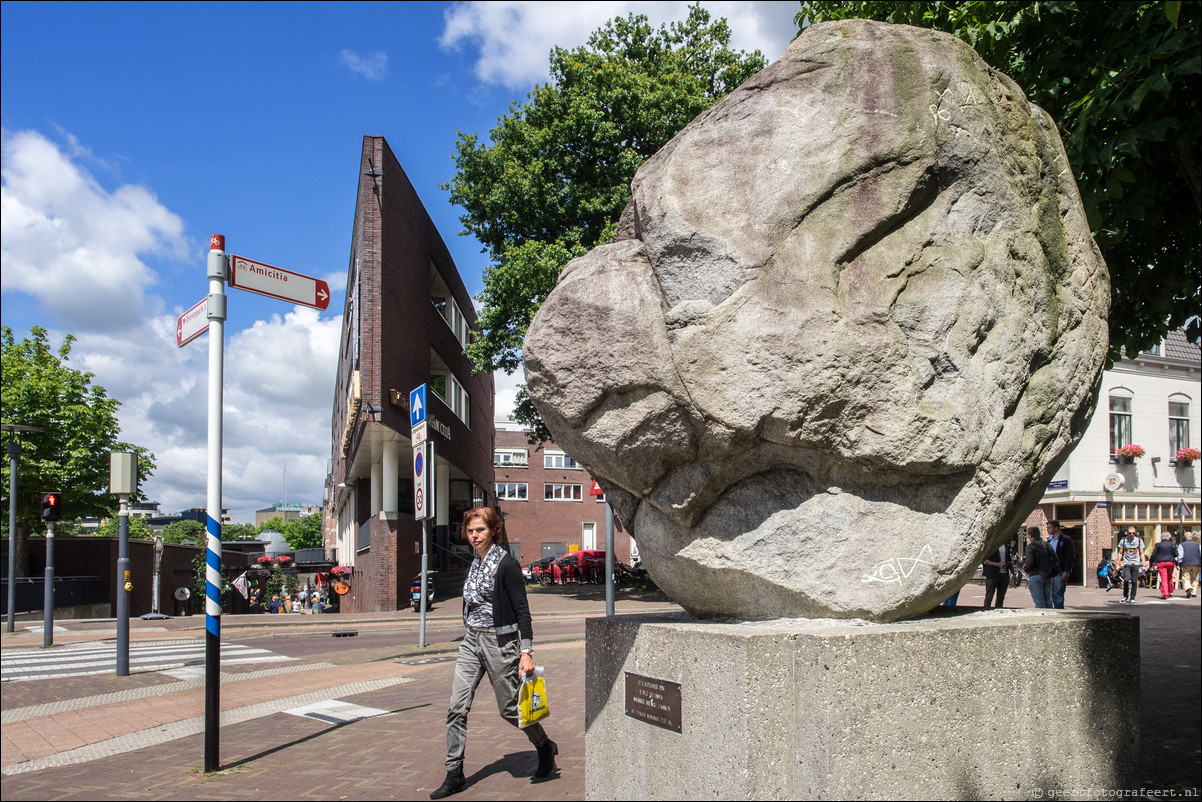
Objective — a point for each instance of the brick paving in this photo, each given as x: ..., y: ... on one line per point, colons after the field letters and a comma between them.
x: 269, y: 754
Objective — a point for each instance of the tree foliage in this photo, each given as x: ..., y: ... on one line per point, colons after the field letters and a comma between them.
x: 1121, y: 79
x: 233, y: 532
x: 138, y: 528
x: 304, y: 533
x: 79, y: 429
x: 186, y: 531
x: 555, y: 174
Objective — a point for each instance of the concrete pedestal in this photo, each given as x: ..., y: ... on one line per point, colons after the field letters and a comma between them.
x: 1005, y: 704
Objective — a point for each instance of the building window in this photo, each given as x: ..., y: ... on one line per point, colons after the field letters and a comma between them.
x: 510, y: 458
x: 453, y: 395
x: 1178, y: 426
x: 1120, y: 422
x: 560, y: 492
x: 1068, y: 512
x: 558, y: 459
x: 441, y: 298
x: 512, y: 491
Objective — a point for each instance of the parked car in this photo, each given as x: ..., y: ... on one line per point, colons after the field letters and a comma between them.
x: 534, y: 570
x: 579, y: 566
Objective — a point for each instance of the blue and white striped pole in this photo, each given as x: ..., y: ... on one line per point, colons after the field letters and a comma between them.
x: 217, y: 272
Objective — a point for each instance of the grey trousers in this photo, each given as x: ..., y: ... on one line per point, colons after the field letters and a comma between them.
x: 481, y: 653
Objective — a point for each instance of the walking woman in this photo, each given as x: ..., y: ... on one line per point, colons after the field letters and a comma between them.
x: 497, y: 642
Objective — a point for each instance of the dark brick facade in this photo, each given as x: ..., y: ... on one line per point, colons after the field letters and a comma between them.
x: 392, y: 334
x: 536, y: 521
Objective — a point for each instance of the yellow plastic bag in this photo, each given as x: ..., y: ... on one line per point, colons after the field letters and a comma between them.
x: 532, y: 699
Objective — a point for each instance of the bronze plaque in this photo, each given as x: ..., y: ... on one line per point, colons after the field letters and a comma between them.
x: 655, y: 701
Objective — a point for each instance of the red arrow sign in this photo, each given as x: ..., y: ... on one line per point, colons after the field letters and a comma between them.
x: 192, y: 324
x: 276, y: 282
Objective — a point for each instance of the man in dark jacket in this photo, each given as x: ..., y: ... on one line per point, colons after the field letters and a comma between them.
x: 1062, y: 544
x: 1191, y: 562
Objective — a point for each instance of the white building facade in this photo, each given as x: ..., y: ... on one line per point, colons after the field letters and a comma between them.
x: 1151, y: 401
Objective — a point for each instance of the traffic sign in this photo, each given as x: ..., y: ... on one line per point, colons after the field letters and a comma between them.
x: 276, y: 282
x: 192, y: 324
x: 423, y: 501
x: 417, y: 405
x: 596, y: 491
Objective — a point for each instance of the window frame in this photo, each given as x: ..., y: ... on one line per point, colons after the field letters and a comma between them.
x: 522, y: 488
x: 549, y: 491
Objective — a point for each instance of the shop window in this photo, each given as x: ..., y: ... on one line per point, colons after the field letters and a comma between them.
x: 1068, y: 512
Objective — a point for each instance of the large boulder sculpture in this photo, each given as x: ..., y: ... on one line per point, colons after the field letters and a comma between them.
x: 851, y: 324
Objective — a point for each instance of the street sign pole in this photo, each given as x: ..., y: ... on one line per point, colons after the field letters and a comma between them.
x: 48, y: 595
x: 423, y: 489
x: 122, y: 668
x: 217, y: 270
x: 609, y: 559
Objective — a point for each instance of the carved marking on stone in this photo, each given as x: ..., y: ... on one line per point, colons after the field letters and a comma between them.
x: 895, y: 569
x: 968, y: 97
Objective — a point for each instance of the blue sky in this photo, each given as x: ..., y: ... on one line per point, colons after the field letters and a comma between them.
x: 132, y: 131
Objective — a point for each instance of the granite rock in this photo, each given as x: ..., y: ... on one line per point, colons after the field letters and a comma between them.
x: 852, y: 323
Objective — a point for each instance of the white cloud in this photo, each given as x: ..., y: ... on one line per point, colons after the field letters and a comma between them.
x: 506, y: 393
x: 74, y: 246
x: 373, y: 67
x: 514, y: 38
x: 279, y: 373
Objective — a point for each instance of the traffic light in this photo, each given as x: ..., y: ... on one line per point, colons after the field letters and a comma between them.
x: 52, y: 507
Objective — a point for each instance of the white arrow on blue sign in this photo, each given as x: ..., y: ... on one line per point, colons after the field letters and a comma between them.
x: 417, y: 405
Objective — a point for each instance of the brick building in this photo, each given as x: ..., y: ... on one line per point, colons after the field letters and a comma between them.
x: 1150, y: 400
x: 406, y: 322
x: 545, y: 499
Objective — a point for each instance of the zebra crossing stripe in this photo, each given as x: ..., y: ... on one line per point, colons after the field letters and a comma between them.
x: 98, y: 660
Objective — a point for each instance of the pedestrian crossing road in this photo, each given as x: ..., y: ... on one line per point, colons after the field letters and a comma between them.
x: 91, y: 658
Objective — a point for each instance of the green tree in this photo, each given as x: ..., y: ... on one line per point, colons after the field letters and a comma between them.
x: 1121, y: 79
x: 138, y: 528
x: 233, y: 532
x: 79, y: 429
x: 555, y: 174
x: 304, y: 533
x: 186, y: 531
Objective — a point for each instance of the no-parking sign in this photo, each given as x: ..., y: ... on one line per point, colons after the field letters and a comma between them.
x: 423, y: 487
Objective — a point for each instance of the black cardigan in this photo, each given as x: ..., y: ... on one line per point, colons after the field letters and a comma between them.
x: 510, y: 610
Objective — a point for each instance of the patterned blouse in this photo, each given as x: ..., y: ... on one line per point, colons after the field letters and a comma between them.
x: 478, y: 588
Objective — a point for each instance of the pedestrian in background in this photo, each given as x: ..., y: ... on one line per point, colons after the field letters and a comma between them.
x: 1041, y: 567
x: 1190, y: 555
x: 498, y: 642
x: 1131, y: 557
x: 1062, y: 544
x: 1164, y: 558
x: 997, y: 575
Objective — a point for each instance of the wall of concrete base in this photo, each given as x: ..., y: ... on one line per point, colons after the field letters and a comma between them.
x: 1004, y: 704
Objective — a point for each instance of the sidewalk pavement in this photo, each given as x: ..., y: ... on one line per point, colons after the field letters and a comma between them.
x: 141, y: 737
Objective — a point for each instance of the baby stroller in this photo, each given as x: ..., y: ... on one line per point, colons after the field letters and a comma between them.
x: 1108, y: 575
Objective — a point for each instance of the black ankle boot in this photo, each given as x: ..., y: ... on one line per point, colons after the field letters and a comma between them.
x: 453, y: 784
x: 546, y: 758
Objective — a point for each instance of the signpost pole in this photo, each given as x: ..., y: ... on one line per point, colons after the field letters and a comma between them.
x: 48, y: 596
x: 423, y: 489
x: 609, y: 559
x: 216, y: 313
x: 122, y: 668
x: 14, y: 456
